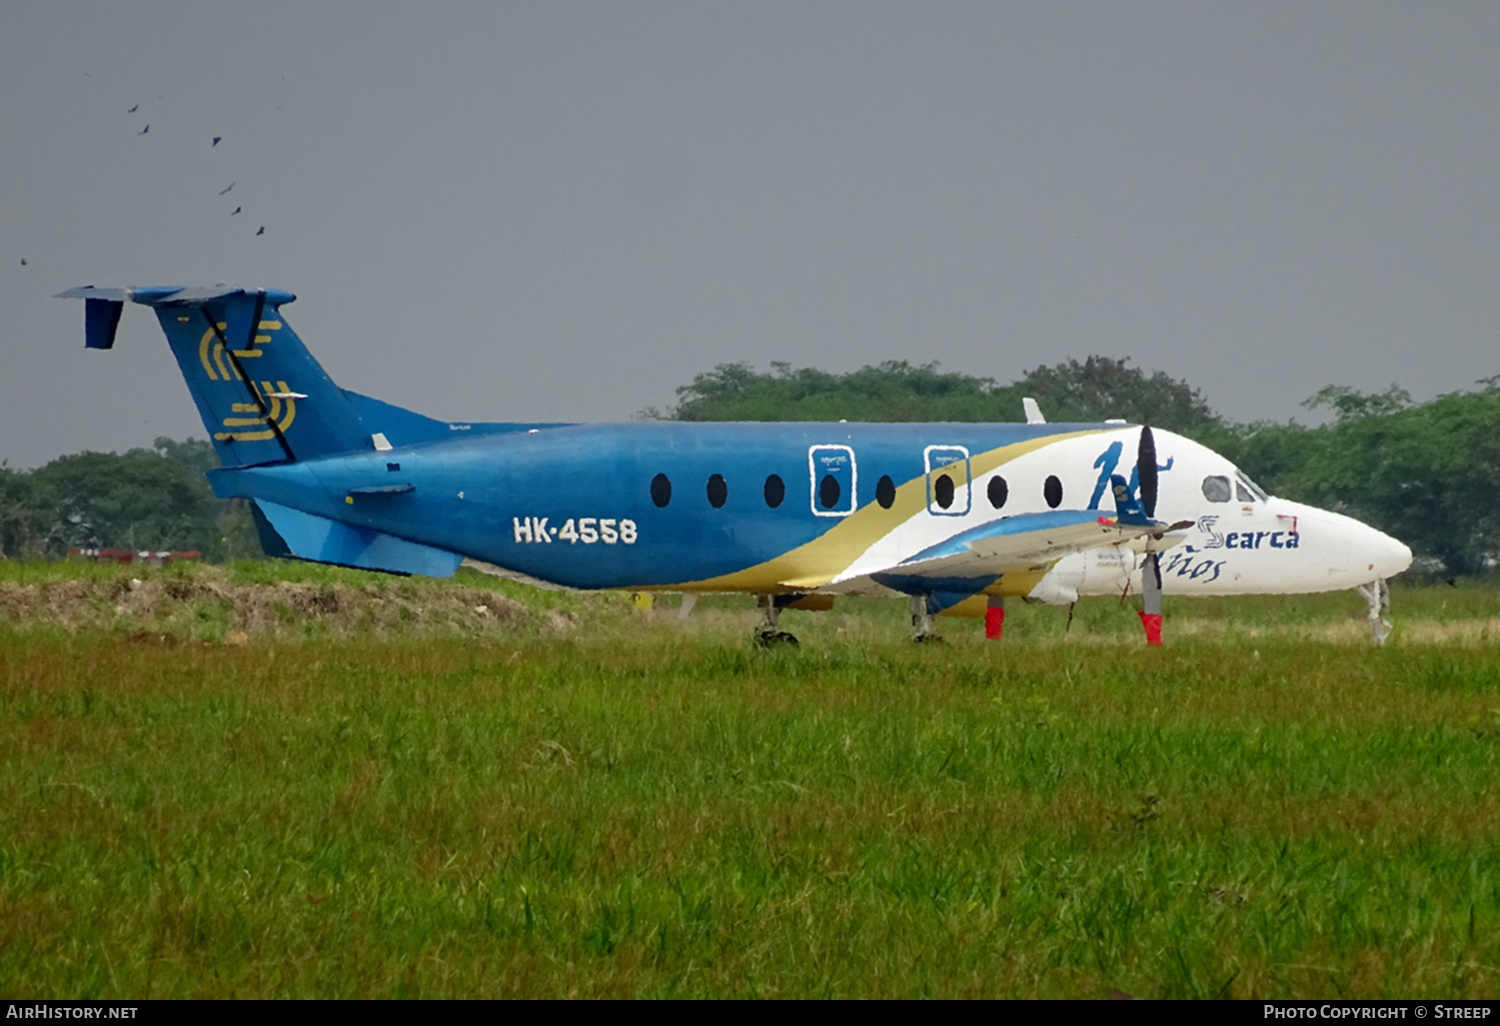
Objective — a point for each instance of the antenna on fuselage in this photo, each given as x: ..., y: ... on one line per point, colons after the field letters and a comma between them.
x: 1033, y: 411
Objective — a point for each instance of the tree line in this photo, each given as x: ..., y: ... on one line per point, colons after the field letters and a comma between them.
x: 1426, y: 473
x: 156, y: 499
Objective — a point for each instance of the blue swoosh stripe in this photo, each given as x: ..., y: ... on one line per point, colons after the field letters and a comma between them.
x: 1022, y: 523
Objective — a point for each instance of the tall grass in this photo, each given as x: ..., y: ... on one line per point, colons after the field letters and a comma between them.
x: 647, y: 807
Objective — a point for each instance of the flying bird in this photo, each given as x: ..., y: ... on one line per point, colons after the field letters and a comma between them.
x: 144, y: 130
x: 23, y: 261
x: 216, y: 141
x: 226, y: 189
x: 262, y: 230
x: 132, y: 110
x: 236, y: 210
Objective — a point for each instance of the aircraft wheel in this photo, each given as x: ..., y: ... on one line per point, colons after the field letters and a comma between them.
x: 774, y: 639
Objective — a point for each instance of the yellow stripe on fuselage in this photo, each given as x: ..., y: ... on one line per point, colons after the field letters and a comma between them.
x: 823, y: 559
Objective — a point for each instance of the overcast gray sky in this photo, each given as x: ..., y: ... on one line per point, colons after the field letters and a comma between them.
x: 505, y: 211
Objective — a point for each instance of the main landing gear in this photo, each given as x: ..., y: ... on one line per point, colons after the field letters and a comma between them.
x: 921, y: 621
x: 1151, y: 599
x: 768, y: 635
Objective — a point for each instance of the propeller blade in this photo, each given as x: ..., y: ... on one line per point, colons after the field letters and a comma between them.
x: 1145, y: 461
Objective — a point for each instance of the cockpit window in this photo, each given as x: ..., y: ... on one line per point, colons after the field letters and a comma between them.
x: 1255, y: 489
x: 1216, y: 488
x: 1241, y: 493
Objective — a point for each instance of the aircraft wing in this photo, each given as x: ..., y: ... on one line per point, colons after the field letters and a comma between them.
x: 1012, y: 544
x: 968, y: 561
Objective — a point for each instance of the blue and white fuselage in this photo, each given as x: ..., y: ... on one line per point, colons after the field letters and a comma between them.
x: 952, y: 512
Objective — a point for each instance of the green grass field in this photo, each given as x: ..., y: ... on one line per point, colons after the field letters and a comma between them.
x: 291, y: 781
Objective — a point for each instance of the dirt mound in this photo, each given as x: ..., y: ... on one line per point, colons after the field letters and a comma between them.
x: 208, y: 605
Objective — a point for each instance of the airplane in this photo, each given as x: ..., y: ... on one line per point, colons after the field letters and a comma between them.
x: 957, y: 517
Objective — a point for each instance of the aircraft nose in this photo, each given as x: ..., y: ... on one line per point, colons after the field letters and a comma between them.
x: 1356, y: 553
x: 1388, y: 556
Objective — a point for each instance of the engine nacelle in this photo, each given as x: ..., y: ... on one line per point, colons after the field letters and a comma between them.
x: 1092, y: 572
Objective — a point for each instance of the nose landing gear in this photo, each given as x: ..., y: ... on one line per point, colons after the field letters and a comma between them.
x: 1378, y: 594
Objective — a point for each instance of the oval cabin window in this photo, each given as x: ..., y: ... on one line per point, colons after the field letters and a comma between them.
x: 999, y: 491
x: 718, y: 491
x: 775, y: 491
x: 1052, y: 491
x: 885, y: 492
x: 829, y: 492
x: 942, y: 491
x: 661, y: 491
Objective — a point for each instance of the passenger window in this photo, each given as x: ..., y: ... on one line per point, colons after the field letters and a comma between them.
x: 1052, y: 491
x: 775, y: 491
x: 829, y: 492
x: 661, y: 491
x: 718, y: 491
x: 885, y: 492
x: 832, y: 480
x: 942, y: 490
x: 1216, y: 488
x: 1242, y: 493
x: 999, y: 491
x: 949, y: 488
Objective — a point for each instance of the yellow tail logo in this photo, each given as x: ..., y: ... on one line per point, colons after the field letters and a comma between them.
x: 273, y: 414
x: 212, y: 354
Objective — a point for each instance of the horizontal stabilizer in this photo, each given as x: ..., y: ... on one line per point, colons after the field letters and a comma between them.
x: 320, y: 540
x: 169, y: 295
x: 103, y: 304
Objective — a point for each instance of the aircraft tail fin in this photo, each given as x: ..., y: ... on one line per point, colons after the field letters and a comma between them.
x: 262, y: 396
